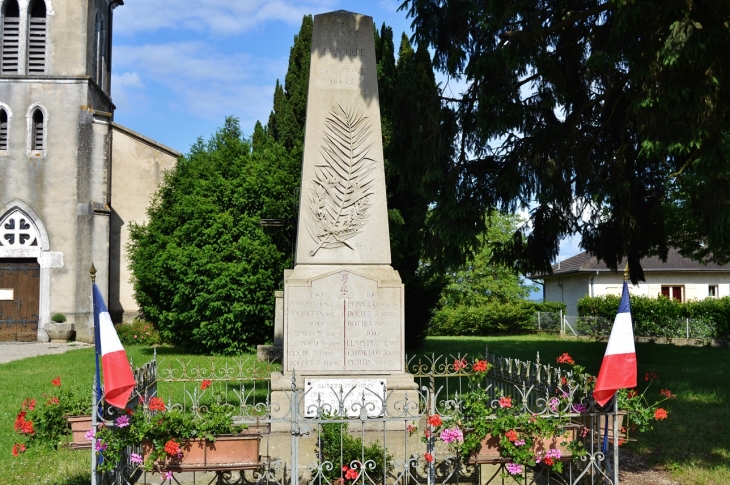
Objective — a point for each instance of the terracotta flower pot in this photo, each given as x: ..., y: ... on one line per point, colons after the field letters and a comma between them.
x: 227, y: 452
x: 80, y: 425
x: 489, y: 452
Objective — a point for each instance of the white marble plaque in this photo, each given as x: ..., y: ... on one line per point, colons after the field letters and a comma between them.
x: 351, y: 394
x: 6, y: 294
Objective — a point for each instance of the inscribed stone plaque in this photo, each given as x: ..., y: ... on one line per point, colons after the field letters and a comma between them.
x: 353, y: 394
x: 343, y: 322
x: 343, y: 213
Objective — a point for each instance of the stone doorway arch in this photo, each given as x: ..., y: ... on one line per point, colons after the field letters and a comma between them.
x: 25, y: 246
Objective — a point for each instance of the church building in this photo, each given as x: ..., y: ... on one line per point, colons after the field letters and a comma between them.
x: 71, y: 179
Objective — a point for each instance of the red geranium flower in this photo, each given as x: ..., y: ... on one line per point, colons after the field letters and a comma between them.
x: 505, y: 402
x: 632, y: 393
x: 157, y: 404
x: 18, y: 448
x: 172, y: 448
x: 205, y: 384
x: 667, y: 393
x: 566, y: 359
x: 53, y: 400
x: 650, y: 376
x: 57, y: 381
x: 351, y: 474
x: 549, y: 461
x: 434, y: 420
x: 660, y: 414
x: 428, y: 457
x: 511, y: 435
x: 459, y: 364
x: 480, y: 366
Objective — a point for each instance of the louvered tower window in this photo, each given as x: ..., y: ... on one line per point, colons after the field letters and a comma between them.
x: 10, y: 37
x: 3, y: 129
x: 38, y: 141
x: 37, y: 38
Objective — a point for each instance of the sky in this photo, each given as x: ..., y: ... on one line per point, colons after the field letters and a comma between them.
x: 180, y: 67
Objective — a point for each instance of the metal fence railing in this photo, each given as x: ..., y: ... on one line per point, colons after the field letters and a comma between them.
x: 573, y: 325
x: 362, y: 433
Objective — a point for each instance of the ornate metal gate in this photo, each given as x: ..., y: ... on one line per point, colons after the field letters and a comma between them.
x: 19, y: 299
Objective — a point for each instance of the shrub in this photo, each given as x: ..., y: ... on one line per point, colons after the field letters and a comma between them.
x: 489, y: 318
x: 659, y: 317
x: 58, y: 318
x: 138, y: 332
x: 337, y: 446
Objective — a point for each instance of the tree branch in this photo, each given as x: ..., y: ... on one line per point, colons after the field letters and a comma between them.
x: 512, y: 34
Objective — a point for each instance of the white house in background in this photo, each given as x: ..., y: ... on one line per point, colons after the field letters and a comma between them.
x: 679, y: 278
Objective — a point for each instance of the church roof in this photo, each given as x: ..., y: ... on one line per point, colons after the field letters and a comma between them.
x: 584, y: 262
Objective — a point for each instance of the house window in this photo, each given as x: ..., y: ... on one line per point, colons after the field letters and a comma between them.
x: 674, y: 292
x: 38, y: 136
x: 10, y: 37
x: 712, y: 291
x: 37, y: 38
x: 3, y: 129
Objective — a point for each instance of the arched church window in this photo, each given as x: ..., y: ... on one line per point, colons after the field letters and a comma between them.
x: 38, y: 135
x: 10, y: 37
x: 37, y: 38
x: 17, y: 231
x: 3, y: 129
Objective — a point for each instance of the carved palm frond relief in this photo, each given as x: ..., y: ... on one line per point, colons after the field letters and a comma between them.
x: 339, y: 194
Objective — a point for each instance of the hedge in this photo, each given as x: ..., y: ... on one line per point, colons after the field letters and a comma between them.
x: 664, y: 317
x: 490, y: 319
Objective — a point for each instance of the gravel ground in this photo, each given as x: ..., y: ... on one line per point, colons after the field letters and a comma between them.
x: 10, y: 351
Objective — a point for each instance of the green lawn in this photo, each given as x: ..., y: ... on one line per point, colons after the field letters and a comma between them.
x: 693, y: 443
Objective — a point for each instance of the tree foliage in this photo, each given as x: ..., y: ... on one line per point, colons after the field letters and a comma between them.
x: 485, y: 297
x: 603, y: 118
x: 204, y: 269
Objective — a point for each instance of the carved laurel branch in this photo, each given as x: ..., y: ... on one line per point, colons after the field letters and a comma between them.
x: 339, y: 195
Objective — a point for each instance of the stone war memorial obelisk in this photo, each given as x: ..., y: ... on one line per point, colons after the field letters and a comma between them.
x: 343, y: 302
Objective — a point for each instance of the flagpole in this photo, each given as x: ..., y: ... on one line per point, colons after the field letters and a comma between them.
x: 92, y: 273
x: 615, y: 411
x: 95, y: 395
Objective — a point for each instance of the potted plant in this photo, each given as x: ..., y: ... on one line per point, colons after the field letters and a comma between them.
x: 45, y: 421
x: 636, y: 412
x: 491, y: 429
x: 174, y: 440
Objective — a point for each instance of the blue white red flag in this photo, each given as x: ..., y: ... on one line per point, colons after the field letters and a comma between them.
x: 118, y: 377
x: 618, y: 370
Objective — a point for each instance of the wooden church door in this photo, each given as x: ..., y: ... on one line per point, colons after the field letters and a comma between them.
x: 19, y: 299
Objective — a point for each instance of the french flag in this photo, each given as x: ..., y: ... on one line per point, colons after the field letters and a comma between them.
x: 118, y: 378
x: 618, y: 370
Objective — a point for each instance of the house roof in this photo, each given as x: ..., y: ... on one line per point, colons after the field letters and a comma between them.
x: 584, y: 262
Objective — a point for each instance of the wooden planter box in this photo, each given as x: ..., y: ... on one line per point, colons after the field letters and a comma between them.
x: 489, y: 453
x: 80, y: 425
x: 227, y: 452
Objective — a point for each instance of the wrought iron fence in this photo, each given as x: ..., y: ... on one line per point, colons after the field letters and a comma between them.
x: 343, y: 434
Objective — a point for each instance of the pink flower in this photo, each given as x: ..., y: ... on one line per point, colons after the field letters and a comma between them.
x: 90, y: 435
x: 514, y: 468
x: 122, y: 421
x: 135, y: 458
x: 505, y: 402
x: 167, y: 476
x: 452, y: 435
